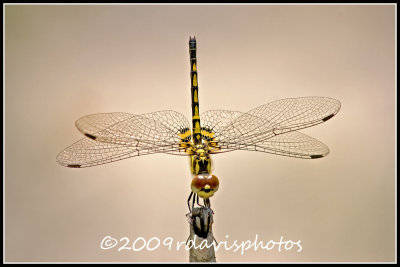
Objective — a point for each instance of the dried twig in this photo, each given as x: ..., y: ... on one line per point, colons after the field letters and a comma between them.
x: 201, y: 239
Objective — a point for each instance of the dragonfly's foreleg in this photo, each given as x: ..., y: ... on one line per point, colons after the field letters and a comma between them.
x: 197, y: 201
x: 194, y: 199
x: 188, y: 201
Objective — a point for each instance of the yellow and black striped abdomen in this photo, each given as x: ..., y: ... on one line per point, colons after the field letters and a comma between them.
x: 197, y: 140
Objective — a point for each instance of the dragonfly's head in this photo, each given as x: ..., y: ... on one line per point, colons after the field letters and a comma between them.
x: 205, y: 185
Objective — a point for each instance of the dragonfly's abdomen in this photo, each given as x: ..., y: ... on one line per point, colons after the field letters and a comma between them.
x: 195, y: 92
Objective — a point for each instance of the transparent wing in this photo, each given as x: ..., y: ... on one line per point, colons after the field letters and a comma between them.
x: 115, y: 136
x: 292, y: 144
x: 159, y: 128
x: 267, y: 128
x: 217, y: 120
x: 87, y: 153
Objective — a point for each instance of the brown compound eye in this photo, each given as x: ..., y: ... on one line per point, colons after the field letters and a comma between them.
x: 205, y: 185
x: 213, y: 182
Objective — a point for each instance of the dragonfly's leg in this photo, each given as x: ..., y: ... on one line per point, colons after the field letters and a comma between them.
x: 188, y: 201
x: 194, y: 199
x: 197, y: 201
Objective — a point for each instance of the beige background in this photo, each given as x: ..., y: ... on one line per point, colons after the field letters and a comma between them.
x: 63, y: 62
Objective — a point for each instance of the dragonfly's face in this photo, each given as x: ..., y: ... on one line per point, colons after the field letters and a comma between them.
x: 205, y: 185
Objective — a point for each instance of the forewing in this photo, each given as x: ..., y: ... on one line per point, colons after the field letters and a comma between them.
x: 217, y: 120
x: 272, y: 127
x: 115, y: 136
x: 159, y: 128
x: 278, y: 117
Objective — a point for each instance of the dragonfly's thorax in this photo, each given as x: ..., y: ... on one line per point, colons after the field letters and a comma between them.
x: 200, y: 160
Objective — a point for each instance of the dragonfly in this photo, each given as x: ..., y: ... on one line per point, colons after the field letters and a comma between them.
x: 271, y: 128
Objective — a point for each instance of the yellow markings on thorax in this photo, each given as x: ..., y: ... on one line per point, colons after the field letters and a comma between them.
x: 195, y: 79
x: 194, y: 166
x: 185, y: 134
x: 214, y: 145
x: 185, y: 142
x: 207, y: 134
x: 200, y: 162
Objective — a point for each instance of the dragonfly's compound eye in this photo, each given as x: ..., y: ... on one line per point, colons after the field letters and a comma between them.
x: 205, y: 185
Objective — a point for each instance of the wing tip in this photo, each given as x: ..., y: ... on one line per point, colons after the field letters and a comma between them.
x: 328, y: 117
x: 74, y: 165
x: 90, y: 136
x: 316, y: 156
